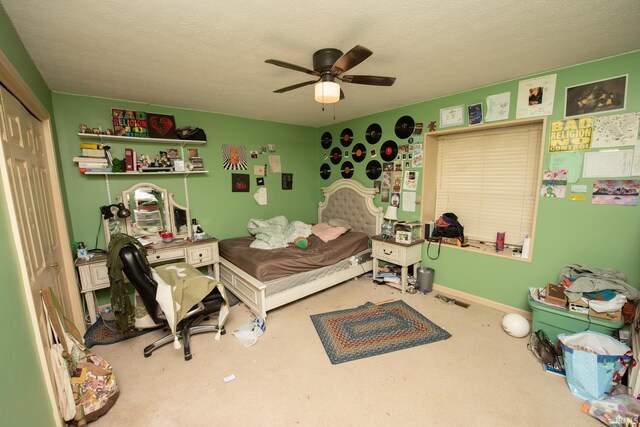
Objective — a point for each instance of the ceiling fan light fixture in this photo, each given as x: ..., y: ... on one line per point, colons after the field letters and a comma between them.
x: 327, y: 92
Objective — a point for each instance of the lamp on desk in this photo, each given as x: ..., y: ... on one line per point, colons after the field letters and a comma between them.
x: 390, y: 218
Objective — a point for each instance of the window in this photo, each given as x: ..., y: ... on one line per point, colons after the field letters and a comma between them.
x: 489, y: 179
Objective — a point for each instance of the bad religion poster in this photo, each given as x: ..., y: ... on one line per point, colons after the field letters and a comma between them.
x: 571, y: 135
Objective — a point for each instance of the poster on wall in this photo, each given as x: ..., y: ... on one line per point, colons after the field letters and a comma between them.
x: 615, y: 192
x: 596, y: 97
x: 234, y: 157
x: 571, y: 135
x: 535, y: 97
x: 161, y: 126
x: 475, y: 114
x: 498, y: 107
x: 240, y: 182
x: 129, y: 123
x: 616, y: 130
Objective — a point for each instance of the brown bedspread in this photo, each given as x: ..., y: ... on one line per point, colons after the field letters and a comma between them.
x: 266, y: 265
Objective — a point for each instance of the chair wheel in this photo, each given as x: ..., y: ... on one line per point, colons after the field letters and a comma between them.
x: 147, y: 355
x: 223, y: 331
x: 187, y: 356
x: 205, y: 318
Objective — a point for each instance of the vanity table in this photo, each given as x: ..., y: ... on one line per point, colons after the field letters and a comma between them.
x: 144, y: 211
x: 94, y: 274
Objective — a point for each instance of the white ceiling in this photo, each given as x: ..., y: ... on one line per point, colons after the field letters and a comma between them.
x: 209, y: 55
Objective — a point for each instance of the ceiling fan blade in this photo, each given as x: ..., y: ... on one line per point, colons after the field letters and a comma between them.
x: 341, y: 95
x: 350, y: 59
x: 369, y: 80
x: 291, y: 66
x: 288, y: 88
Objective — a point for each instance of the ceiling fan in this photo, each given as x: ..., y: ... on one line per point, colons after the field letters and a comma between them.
x: 329, y: 65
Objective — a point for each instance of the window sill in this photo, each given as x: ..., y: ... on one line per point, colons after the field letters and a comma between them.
x: 510, y: 252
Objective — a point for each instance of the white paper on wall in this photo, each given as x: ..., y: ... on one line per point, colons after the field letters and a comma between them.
x: 498, y: 107
x: 607, y: 164
x: 615, y: 131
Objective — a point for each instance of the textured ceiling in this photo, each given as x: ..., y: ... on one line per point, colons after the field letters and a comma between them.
x: 209, y: 55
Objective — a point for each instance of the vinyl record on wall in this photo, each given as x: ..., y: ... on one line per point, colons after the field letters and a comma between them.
x: 373, y: 133
x: 389, y: 151
x: 404, y: 127
x: 325, y: 171
x: 326, y: 140
x: 346, y: 137
x: 347, y: 170
x: 336, y: 155
x: 359, y: 152
x: 374, y: 169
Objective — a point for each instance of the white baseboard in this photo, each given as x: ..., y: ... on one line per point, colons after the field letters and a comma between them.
x: 479, y: 300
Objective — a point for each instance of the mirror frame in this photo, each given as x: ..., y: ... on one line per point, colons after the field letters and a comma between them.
x: 174, y: 228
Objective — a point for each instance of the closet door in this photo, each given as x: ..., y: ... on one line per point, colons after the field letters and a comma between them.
x: 28, y: 179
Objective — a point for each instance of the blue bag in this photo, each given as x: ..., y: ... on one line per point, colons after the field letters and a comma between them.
x: 594, y: 363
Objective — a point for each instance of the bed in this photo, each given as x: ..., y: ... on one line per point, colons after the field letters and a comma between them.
x: 345, y: 200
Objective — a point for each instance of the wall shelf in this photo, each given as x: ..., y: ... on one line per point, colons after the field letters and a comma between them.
x: 133, y: 139
x: 138, y: 174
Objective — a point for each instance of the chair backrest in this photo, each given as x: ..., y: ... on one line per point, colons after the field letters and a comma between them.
x: 140, y: 277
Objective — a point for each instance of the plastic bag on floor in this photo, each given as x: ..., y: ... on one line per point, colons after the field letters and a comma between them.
x: 249, y: 333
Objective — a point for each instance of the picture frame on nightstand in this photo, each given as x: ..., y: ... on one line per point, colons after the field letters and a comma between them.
x: 403, y: 237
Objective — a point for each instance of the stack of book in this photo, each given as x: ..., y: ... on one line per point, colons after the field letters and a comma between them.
x: 94, y: 158
x: 197, y: 163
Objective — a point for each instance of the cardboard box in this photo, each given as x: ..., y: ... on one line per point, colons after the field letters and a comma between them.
x: 555, y: 295
x: 582, y: 306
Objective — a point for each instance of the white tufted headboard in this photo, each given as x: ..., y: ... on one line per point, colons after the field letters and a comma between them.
x: 351, y: 201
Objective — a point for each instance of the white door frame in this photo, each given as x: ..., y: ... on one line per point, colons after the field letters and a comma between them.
x: 12, y: 80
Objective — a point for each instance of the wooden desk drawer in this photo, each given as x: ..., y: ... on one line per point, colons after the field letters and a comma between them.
x: 165, y: 255
x: 204, y: 254
x: 386, y: 252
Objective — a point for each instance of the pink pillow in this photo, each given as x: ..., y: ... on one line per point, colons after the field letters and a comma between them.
x: 326, y: 232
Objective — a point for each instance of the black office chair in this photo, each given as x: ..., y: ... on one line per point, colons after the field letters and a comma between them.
x: 140, y: 277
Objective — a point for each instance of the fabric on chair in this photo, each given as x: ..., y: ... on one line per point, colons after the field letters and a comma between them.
x: 120, y: 302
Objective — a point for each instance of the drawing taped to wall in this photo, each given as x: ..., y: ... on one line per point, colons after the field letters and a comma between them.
x: 554, y: 184
x: 498, y: 107
x: 623, y: 192
x: 535, y: 97
x: 615, y: 131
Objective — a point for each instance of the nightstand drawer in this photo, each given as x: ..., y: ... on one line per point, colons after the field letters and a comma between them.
x: 386, y: 252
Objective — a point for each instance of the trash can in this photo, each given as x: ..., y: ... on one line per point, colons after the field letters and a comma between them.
x: 425, y: 279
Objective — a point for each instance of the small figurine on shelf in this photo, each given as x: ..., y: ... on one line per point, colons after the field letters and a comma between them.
x: 164, y: 160
x: 84, y: 128
x: 198, y: 233
x: 95, y: 131
x: 108, y: 132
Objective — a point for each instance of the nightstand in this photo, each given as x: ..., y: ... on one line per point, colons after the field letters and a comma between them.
x: 401, y: 254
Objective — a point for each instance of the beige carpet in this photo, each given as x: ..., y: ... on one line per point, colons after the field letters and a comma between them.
x: 478, y: 377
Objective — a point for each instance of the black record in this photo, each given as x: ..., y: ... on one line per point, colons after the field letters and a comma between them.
x: 404, y: 127
x: 374, y: 169
x: 326, y: 140
x: 389, y: 151
x: 346, y: 137
x: 373, y: 133
x: 336, y: 155
x: 325, y: 171
x: 347, y: 170
x: 359, y: 152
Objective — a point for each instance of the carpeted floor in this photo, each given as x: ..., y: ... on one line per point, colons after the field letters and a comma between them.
x: 371, y: 329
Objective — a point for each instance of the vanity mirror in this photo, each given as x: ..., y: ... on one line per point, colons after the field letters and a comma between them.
x: 151, y: 210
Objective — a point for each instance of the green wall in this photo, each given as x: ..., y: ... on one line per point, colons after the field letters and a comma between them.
x: 567, y: 231
x: 222, y: 213
x: 25, y: 401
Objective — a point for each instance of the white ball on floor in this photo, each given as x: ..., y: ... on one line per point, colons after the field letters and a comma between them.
x: 515, y: 325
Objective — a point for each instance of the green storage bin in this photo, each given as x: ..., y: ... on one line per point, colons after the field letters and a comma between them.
x: 555, y: 321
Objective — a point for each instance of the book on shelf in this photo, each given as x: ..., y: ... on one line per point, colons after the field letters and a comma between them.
x: 93, y: 152
x: 91, y: 165
x: 100, y: 170
x: 85, y: 159
x: 92, y: 146
x: 130, y: 165
x: 197, y: 163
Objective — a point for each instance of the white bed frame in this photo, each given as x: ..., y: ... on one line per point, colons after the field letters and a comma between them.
x: 344, y: 199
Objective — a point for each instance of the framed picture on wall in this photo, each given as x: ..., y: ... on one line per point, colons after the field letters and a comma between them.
x: 596, y: 97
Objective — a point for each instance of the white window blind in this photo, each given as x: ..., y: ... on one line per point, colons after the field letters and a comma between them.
x: 489, y: 180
